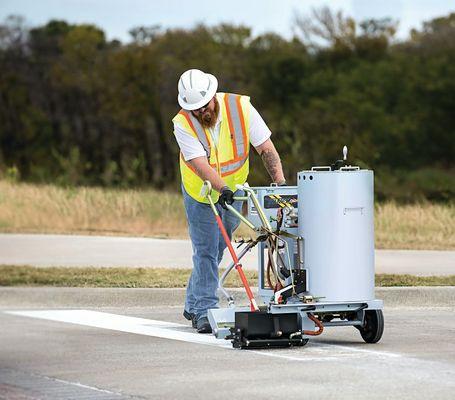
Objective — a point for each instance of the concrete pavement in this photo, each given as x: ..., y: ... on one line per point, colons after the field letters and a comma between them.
x: 42, y: 356
x: 106, y: 251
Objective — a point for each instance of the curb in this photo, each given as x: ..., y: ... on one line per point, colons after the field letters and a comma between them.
x: 63, y: 297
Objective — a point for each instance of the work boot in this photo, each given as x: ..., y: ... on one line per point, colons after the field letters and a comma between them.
x: 203, y: 325
x: 190, y: 317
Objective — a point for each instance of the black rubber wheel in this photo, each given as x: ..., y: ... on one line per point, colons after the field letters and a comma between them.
x: 373, y: 326
x: 303, y: 342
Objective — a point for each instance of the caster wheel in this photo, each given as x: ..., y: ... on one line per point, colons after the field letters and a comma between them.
x: 373, y: 327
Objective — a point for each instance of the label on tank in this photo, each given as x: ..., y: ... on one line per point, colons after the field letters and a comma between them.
x: 282, y: 200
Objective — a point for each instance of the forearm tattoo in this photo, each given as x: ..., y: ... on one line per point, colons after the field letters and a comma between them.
x: 272, y: 163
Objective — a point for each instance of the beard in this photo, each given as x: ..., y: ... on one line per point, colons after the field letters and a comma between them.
x: 208, y: 118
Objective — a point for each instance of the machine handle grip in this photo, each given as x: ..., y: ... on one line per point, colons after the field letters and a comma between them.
x: 350, y: 168
x: 245, y: 186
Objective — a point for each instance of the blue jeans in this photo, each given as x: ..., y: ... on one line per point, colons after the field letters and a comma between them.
x: 208, y: 247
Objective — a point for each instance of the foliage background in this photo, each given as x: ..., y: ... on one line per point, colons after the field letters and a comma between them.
x: 77, y: 109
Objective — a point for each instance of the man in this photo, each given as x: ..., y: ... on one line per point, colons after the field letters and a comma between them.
x: 214, y: 132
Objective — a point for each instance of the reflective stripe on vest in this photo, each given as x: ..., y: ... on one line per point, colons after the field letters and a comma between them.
x: 198, y: 129
x: 236, y: 123
x: 231, y: 168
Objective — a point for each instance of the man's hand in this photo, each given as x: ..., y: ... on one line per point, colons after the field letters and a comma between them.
x: 226, y: 197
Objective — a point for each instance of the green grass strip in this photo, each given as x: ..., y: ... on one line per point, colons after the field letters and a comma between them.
x: 160, y: 277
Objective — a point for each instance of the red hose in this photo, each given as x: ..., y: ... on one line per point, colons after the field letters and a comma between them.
x: 237, y: 265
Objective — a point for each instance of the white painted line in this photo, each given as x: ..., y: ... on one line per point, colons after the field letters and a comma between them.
x: 78, y: 384
x: 168, y: 330
x: 140, y: 326
x: 365, y: 351
x: 298, y: 357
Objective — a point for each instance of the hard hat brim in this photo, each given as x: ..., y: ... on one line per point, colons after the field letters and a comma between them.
x: 210, y: 93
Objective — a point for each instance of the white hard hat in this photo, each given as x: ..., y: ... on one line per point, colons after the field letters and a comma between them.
x: 196, y: 89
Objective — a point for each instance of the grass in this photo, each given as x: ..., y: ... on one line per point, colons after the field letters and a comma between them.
x: 104, y: 277
x: 159, y: 278
x: 148, y: 212
x: 417, y: 226
x: 52, y: 209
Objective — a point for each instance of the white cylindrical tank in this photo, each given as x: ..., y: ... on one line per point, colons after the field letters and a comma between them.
x: 336, y: 221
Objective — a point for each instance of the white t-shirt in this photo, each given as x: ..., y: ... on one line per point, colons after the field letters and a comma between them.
x: 192, y: 147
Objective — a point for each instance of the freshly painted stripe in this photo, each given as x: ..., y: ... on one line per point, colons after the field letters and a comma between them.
x: 140, y: 326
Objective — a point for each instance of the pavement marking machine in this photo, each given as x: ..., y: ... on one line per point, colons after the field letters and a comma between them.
x: 315, y: 260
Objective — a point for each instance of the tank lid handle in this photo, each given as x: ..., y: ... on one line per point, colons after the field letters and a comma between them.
x: 345, y: 153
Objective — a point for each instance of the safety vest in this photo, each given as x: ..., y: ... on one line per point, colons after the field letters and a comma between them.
x: 230, y: 157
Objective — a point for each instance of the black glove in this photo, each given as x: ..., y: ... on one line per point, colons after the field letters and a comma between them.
x: 226, y: 197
